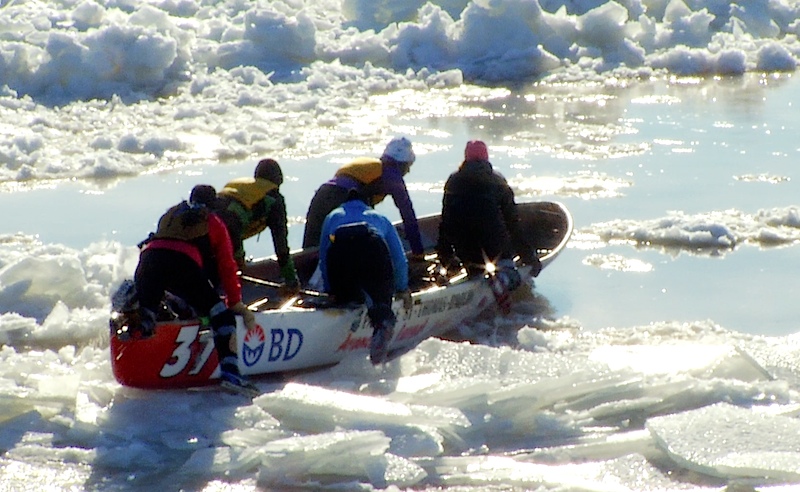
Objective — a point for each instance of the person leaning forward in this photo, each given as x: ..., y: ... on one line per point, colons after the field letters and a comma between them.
x: 189, y: 242
x: 480, y: 221
x: 362, y: 260
x: 250, y: 205
x: 373, y: 179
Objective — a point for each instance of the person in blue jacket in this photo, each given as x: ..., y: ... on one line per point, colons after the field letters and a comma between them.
x: 361, y: 259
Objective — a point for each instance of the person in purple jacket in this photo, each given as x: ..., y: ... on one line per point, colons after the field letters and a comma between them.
x: 372, y: 178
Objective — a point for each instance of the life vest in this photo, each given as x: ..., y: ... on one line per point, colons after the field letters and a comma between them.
x: 183, y: 222
x: 365, y: 170
x: 245, y: 194
x: 248, y: 191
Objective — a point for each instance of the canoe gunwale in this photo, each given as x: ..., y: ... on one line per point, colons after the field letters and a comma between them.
x: 308, y: 331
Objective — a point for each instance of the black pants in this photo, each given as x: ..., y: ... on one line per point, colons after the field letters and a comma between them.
x: 161, y: 270
x: 475, y: 243
x: 360, y: 264
x: 327, y: 198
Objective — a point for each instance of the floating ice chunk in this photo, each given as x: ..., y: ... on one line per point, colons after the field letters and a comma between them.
x: 494, y: 470
x: 695, y: 359
x: 132, y: 455
x: 39, y: 447
x: 59, y: 387
x: 249, y: 437
x: 13, y: 327
x: 394, y: 470
x: 595, y: 448
x: 462, y: 394
x: 335, y: 456
x: 525, y: 399
x: 14, y: 427
x: 618, y: 263
x: 409, y: 442
x: 207, y: 461
x: 253, y: 417
x: 417, y: 382
x: 317, y: 408
x: 728, y: 441
x: 54, y: 275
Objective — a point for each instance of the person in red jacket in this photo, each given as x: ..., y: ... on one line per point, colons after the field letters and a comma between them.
x: 189, y: 253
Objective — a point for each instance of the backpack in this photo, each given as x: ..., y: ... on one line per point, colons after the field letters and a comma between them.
x: 352, y: 231
x: 357, y: 241
x: 183, y: 222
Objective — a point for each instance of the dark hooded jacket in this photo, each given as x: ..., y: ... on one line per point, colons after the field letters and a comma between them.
x: 479, y: 218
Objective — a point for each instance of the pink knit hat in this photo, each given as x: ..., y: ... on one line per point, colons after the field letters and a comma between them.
x: 476, y: 151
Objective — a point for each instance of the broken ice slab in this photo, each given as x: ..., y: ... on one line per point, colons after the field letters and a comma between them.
x: 728, y: 441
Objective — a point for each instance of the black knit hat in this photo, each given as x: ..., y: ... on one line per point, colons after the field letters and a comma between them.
x: 270, y: 170
x: 203, y: 194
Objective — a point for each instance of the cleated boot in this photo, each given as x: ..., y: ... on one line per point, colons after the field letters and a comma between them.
x: 501, y: 294
x: 232, y: 380
x: 508, y: 274
x: 379, y: 345
x: 139, y: 324
x: 147, y: 323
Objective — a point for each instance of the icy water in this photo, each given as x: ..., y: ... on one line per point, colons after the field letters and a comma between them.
x: 637, y: 155
x: 659, y: 352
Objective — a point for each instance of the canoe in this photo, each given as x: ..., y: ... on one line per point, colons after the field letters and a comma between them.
x: 308, y: 331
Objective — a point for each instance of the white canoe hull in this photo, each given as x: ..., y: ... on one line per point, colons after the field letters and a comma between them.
x: 296, y: 335
x: 296, y: 338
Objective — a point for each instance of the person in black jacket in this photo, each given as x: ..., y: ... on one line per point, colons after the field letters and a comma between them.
x: 480, y: 222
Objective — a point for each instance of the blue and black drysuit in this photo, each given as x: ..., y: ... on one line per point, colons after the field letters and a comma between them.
x: 361, y: 259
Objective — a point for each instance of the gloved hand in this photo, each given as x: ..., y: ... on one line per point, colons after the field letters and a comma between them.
x: 450, y: 264
x: 405, y: 295
x: 536, y: 267
x: 529, y: 257
x: 240, y: 262
x: 417, y: 267
x: 438, y: 273
x: 248, y: 316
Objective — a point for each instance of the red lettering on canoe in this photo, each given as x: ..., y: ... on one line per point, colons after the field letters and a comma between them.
x: 353, y: 343
x: 411, y: 331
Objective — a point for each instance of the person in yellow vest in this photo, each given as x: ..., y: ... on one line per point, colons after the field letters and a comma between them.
x: 371, y: 178
x: 250, y: 205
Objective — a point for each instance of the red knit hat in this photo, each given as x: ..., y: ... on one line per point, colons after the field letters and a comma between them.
x: 476, y: 151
